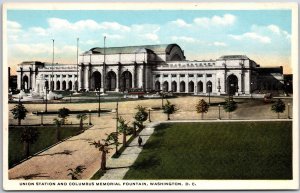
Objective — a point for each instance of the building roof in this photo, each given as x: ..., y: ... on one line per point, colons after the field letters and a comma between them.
x: 234, y: 57
x: 160, y: 48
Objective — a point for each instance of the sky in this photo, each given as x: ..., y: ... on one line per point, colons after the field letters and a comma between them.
x: 263, y: 35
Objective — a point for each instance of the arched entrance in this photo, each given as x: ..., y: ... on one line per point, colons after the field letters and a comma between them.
x: 174, y: 86
x: 58, y: 85
x: 64, y: 85
x: 25, y: 82
x: 46, y: 84
x: 166, y: 86
x: 95, y: 81
x: 111, y: 82
x: 232, y: 84
x: 200, y: 86
x: 70, y: 85
x: 191, y: 86
x: 182, y: 86
x: 52, y: 85
x: 157, y: 86
x: 126, y: 81
x: 209, y: 87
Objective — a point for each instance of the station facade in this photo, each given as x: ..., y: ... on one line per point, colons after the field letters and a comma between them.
x: 150, y: 68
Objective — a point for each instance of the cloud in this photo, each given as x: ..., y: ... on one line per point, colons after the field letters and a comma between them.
x: 13, y: 27
x: 225, y: 20
x: 38, y: 31
x: 183, y: 39
x: 113, y: 36
x: 181, y: 23
x: 220, y: 44
x: 89, y: 24
x: 252, y: 36
x: 278, y: 31
x: 152, y: 36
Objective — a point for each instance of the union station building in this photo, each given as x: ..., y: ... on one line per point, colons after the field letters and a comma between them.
x: 150, y: 68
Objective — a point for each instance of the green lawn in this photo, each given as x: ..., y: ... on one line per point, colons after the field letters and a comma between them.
x: 47, y: 137
x: 244, y: 150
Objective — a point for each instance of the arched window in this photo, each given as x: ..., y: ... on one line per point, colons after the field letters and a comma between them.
x: 166, y: 86
x: 182, y: 86
x: 58, y: 85
x: 191, y: 86
x: 70, y: 85
x: 174, y: 86
x: 209, y: 87
x: 200, y: 86
x: 157, y: 86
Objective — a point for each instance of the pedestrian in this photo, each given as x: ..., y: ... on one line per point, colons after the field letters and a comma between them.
x: 140, y: 141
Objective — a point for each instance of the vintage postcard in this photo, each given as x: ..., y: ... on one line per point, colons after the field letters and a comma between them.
x: 150, y: 96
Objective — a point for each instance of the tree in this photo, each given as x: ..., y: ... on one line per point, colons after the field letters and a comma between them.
x: 104, y: 147
x: 202, y: 107
x: 19, y: 112
x: 169, y: 108
x: 57, y: 122
x: 81, y: 117
x: 229, y: 106
x: 124, y: 129
x: 278, y: 107
x: 141, y: 116
x: 29, y: 136
x: 63, y: 113
x: 76, y: 173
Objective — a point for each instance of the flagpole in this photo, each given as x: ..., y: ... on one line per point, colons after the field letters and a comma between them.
x: 104, y: 66
x: 52, y: 83
x: 77, y: 67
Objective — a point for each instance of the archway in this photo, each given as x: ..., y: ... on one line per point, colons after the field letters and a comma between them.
x: 200, y: 86
x: 209, y: 87
x: 64, y: 85
x: 70, y: 85
x: 157, y: 86
x: 166, y: 86
x: 25, y: 82
x: 95, y: 80
x: 191, y: 86
x: 182, y: 86
x: 58, y: 85
x: 111, y: 82
x: 174, y: 86
x: 126, y: 81
x: 232, y: 84
x: 52, y: 85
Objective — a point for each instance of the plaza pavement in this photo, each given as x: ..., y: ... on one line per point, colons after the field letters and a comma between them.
x: 54, y: 162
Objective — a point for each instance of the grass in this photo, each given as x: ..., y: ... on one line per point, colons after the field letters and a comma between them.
x: 232, y: 150
x: 47, y: 137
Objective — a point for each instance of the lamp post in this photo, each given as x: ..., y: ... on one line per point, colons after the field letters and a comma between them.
x: 99, y: 103
x: 71, y: 97
x: 46, y: 101
x: 219, y: 111
x: 209, y: 87
x: 251, y: 89
x: 149, y: 114
x: 117, y: 121
x: 289, y: 110
x: 90, y: 118
x: 42, y: 118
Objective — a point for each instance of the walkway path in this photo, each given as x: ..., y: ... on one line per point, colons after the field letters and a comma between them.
x: 117, y: 167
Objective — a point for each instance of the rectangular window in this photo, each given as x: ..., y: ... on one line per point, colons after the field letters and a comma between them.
x: 46, y: 76
x: 64, y: 76
x: 191, y: 75
x: 209, y: 75
x: 58, y: 76
x: 157, y: 76
x: 200, y: 75
x: 174, y: 75
x: 166, y: 75
x: 70, y: 76
x: 182, y: 75
x: 75, y: 76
